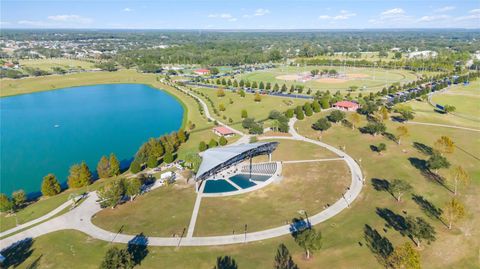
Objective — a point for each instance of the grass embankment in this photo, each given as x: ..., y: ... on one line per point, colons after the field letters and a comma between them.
x: 373, y: 79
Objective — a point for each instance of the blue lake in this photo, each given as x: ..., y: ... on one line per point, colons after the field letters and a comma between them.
x: 47, y: 132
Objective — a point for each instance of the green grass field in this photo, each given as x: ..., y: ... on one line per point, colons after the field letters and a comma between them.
x: 466, y: 99
x: 343, y: 237
x: 48, y: 64
x: 366, y: 79
x: 161, y: 212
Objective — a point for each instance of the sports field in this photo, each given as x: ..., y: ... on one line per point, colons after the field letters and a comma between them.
x: 48, y: 64
x: 366, y: 79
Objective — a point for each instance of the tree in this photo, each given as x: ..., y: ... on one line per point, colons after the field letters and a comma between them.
x: 355, y: 119
x: 103, y: 167
x: 222, y: 141
x: 316, y: 107
x: 19, y: 198
x: 402, y: 131
x: 299, y: 113
x: 384, y: 113
x: 152, y: 162
x: 437, y: 161
x: 449, y: 108
x: 325, y: 102
x: 308, y: 239
x: 336, y: 116
x: 112, y: 193
x: 182, y: 136
x: 374, y: 128
x: 116, y: 258
x: 193, y: 160
x: 221, y: 107
x: 444, y: 145
x: 5, y: 203
x: 459, y: 176
x: 406, y: 112
x: 244, y: 113
x: 135, y: 166
x: 398, y: 188
x: 283, y: 259
x: 257, y: 97
x: 321, y: 125
x: 226, y: 262
x: 308, y: 110
x: 50, y: 185
x: 202, y: 146
x: 241, y: 93
x: 168, y: 157
x: 114, y: 165
x: 290, y: 112
x: 261, y: 86
x: 453, y: 211
x: 381, y: 147
x: 420, y: 230
x: 220, y: 92
x: 254, y: 85
x: 79, y: 176
x: 405, y: 257
x: 133, y: 188
x: 213, y: 143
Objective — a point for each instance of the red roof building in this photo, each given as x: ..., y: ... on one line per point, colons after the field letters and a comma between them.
x: 202, y: 71
x: 346, y: 105
x: 223, y: 131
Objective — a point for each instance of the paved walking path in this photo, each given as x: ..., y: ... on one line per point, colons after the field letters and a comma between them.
x: 444, y: 125
x: 80, y: 217
x: 193, y: 218
x: 37, y: 220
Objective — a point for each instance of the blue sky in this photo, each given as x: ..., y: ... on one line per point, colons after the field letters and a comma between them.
x: 236, y: 14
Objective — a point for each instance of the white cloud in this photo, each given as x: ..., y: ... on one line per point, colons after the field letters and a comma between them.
x: 433, y: 18
x: 127, y: 9
x: 444, y: 9
x: 343, y: 15
x: 34, y: 23
x: 393, y: 12
x: 5, y: 23
x: 225, y: 16
x: 70, y: 19
x: 475, y: 11
x: 261, y: 12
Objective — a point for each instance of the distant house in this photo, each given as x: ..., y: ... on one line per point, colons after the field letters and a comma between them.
x: 346, y: 105
x: 202, y: 72
x: 223, y: 131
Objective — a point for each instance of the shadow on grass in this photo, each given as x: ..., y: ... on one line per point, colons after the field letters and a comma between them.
x: 380, y: 246
x: 138, y: 248
x: 226, y: 262
x: 36, y: 263
x: 422, y: 148
x: 421, y: 165
x: 17, y: 253
x: 390, y: 137
x: 298, y: 225
x: 382, y: 185
x: 468, y: 153
x: 395, y: 221
x: 427, y: 207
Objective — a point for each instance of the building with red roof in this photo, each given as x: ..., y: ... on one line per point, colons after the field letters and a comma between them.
x: 346, y: 105
x: 223, y: 131
x: 202, y: 71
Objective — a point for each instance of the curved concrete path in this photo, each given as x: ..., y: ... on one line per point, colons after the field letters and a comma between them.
x: 80, y: 217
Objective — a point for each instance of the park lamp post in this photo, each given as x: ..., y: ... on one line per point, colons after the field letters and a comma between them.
x: 245, y: 232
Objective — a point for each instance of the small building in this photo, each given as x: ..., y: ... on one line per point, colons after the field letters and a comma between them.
x: 223, y: 131
x: 202, y: 72
x: 346, y: 105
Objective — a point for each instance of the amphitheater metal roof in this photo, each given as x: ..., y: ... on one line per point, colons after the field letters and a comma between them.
x: 216, y: 159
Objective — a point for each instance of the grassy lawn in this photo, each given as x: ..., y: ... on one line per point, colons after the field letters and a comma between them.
x: 290, y: 150
x: 161, y: 212
x: 371, y: 79
x: 257, y: 110
x: 47, y: 64
x: 305, y: 186
x: 43, y: 206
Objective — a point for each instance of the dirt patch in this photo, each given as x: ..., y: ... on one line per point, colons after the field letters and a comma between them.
x: 288, y: 77
x: 357, y: 75
x: 331, y: 80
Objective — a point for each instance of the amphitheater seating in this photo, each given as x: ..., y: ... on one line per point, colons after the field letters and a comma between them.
x: 261, y: 168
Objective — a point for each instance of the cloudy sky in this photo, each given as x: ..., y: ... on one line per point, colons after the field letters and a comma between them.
x: 240, y: 14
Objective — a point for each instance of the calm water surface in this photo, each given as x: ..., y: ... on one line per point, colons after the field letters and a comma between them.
x: 47, y: 132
